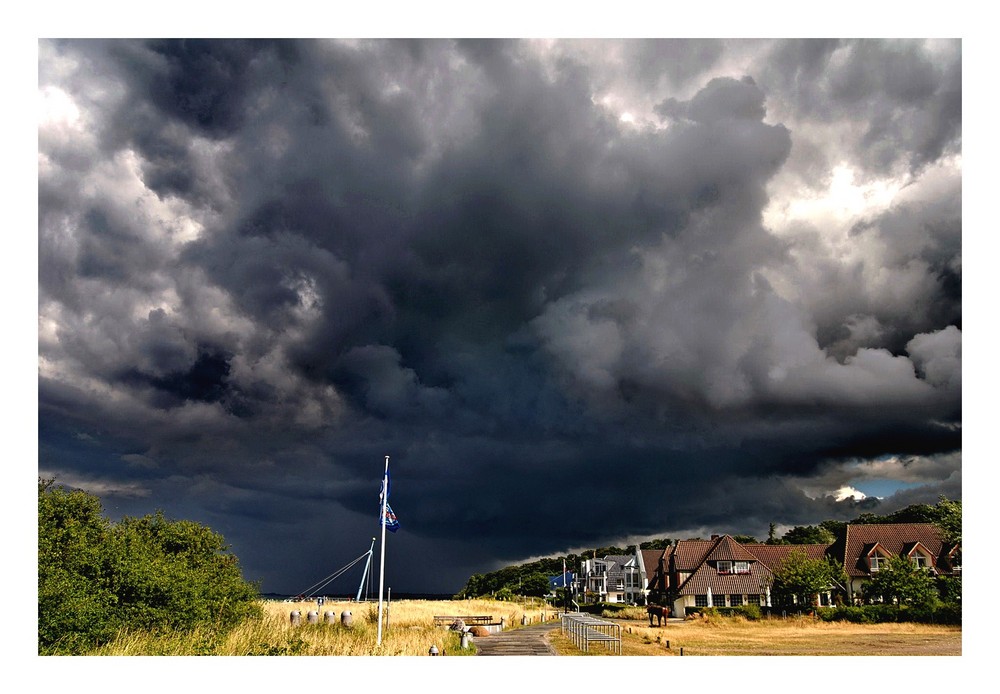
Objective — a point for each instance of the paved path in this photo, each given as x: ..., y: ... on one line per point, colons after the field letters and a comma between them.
x: 529, y: 640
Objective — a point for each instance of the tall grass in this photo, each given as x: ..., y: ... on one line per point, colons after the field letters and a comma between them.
x: 408, y: 630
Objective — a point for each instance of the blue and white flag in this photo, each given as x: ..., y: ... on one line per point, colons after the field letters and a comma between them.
x: 382, y: 488
x: 390, y: 521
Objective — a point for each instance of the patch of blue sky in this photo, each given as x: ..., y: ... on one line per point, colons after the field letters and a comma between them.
x: 882, y: 488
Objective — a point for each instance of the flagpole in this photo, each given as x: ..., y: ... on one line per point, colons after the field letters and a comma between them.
x: 381, y: 568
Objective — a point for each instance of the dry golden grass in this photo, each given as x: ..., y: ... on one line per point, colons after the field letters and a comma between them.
x: 408, y: 630
x: 781, y: 637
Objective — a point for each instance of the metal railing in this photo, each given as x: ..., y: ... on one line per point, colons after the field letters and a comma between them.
x: 584, y: 629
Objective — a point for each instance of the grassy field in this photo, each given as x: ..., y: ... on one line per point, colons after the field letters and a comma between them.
x: 781, y: 637
x: 408, y: 630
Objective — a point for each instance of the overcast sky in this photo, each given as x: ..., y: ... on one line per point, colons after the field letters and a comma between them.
x: 581, y: 292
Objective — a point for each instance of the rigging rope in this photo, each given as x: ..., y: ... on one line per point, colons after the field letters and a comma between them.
x: 323, y: 582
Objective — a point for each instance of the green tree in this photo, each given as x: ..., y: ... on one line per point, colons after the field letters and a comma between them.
x: 745, y: 539
x: 949, y: 589
x: 75, y: 603
x: 835, y: 528
x: 661, y: 543
x: 175, y: 574
x: 96, y: 578
x: 808, y: 535
x: 949, y: 519
x: 900, y: 581
x: 772, y: 537
x: 535, y: 585
x: 802, y: 578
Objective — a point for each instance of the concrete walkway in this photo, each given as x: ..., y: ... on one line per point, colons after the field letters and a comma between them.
x: 529, y: 640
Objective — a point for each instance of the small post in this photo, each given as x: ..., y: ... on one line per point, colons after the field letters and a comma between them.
x: 346, y: 619
x: 466, y: 638
x: 330, y: 617
x: 668, y: 644
x: 433, y: 650
x: 682, y: 650
x: 295, y: 617
x: 312, y: 617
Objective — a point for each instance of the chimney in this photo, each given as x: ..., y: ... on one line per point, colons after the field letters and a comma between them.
x: 715, y: 537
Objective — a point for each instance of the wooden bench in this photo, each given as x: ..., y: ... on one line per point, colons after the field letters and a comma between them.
x: 445, y: 621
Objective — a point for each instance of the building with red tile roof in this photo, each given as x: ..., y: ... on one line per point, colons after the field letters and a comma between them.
x: 722, y: 572
x: 863, y: 549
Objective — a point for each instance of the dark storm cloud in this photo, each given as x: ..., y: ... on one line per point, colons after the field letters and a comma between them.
x: 902, y: 98
x: 264, y: 265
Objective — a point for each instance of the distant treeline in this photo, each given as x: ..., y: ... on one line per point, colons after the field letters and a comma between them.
x: 531, y: 579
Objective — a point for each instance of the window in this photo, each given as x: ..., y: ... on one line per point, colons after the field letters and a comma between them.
x: 701, y: 600
x: 735, y: 600
x: 920, y: 561
x: 741, y: 567
x: 876, y: 562
x: 725, y: 567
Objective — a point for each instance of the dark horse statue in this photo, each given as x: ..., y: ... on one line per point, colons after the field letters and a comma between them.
x: 660, y: 612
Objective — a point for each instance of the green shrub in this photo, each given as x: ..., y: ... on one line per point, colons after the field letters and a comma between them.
x: 96, y: 578
x: 882, y: 613
x: 855, y: 615
x: 950, y: 613
x: 878, y: 614
x: 610, y: 608
x: 751, y: 612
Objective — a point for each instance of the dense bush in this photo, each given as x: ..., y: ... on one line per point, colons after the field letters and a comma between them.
x: 605, y: 607
x: 96, y: 578
x: 855, y: 615
x: 947, y: 613
x: 877, y: 614
x: 751, y: 612
x: 949, y: 589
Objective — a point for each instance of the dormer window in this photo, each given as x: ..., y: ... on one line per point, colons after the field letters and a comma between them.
x: 725, y: 567
x: 920, y: 561
x: 741, y: 567
x: 876, y: 561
